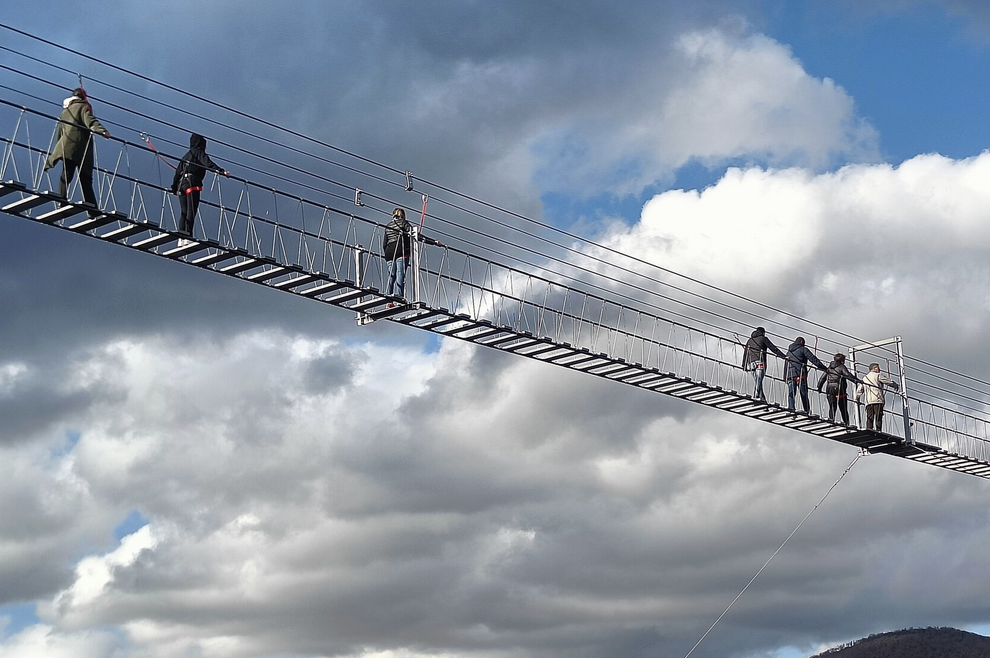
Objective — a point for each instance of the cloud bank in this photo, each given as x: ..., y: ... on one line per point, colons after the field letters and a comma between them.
x: 328, y: 499
x: 315, y: 489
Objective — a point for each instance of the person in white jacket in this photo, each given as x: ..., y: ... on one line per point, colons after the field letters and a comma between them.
x: 873, y: 386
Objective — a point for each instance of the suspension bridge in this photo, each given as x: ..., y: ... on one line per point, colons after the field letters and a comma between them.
x: 493, y: 282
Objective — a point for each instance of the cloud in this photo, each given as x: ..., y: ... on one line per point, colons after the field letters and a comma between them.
x: 721, y: 95
x: 975, y: 14
x: 317, y: 489
x: 44, y: 640
x: 517, y: 102
x: 524, y: 102
x: 47, y: 518
x: 461, y: 508
x: 95, y: 574
x: 747, y: 96
x: 879, y: 250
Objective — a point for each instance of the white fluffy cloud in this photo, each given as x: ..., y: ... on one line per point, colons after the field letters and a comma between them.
x: 94, y: 575
x: 719, y: 95
x: 877, y: 250
x: 44, y: 640
x: 747, y: 96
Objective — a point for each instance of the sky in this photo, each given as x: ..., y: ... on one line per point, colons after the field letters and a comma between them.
x: 194, y: 466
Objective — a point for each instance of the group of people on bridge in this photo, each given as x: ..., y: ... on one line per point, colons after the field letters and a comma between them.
x: 835, y: 378
x: 74, y: 148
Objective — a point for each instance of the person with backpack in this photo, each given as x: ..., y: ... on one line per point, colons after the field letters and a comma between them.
x: 396, y: 248
x: 873, y: 387
x: 835, y: 379
x: 796, y: 372
x: 755, y: 359
x: 187, y: 182
x: 74, y: 146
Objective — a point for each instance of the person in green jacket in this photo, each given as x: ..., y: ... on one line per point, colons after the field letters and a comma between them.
x: 74, y: 146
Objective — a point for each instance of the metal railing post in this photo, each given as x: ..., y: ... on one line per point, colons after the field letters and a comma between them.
x: 414, y: 273
x: 359, y: 251
x: 859, y: 414
x: 906, y: 410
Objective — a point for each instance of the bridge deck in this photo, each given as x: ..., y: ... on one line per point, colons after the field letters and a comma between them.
x: 20, y: 201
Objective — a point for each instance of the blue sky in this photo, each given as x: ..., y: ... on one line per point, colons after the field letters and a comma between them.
x: 191, y: 467
x: 913, y: 73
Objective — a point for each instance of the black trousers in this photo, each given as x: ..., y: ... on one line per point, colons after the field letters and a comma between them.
x: 189, y: 203
x: 85, y: 180
x: 838, y: 400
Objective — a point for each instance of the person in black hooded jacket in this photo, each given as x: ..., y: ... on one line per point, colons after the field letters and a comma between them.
x: 755, y: 359
x: 188, y: 180
x: 834, y: 379
x: 796, y: 372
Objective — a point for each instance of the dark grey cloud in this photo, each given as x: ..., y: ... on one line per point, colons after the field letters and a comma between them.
x: 34, y: 407
x: 45, y: 519
x: 432, y: 531
x: 330, y: 372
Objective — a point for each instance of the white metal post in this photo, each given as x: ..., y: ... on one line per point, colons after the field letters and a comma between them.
x: 905, y: 408
x: 359, y: 251
x: 414, y: 274
x: 852, y: 362
x: 903, y: 393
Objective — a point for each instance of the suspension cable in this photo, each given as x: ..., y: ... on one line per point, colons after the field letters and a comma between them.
x: 473, y: 199
x: 779, y: 548
x: 540, y: 225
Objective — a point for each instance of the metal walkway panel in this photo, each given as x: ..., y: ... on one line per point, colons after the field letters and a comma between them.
x: 249, y: 263
x: 374, y: 301
x: 266, y: 275
x: 31, y: 201
x: 124, y: 232
x: 322, y: 289
x: 538, y: 353
x: 477, y: 336
x: 388, y: 312
x: 214, y: 259
x: 344, y: 297
x: 11, y: 186
x: 296, y: 281
x: 64, y: 212
x: 93, y: 223
x: 154, y: 241
x: 186, y: 249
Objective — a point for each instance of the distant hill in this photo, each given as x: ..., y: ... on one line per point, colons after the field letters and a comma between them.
x: 915, y: 643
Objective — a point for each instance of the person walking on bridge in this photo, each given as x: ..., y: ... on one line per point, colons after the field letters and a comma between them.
x: 796, y: 372
x: 397, y: 247
x: 873, y: 387
x: 74, y: 146
x: 835, y: 378
x: 755, y: 359
x: 187, y: 182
